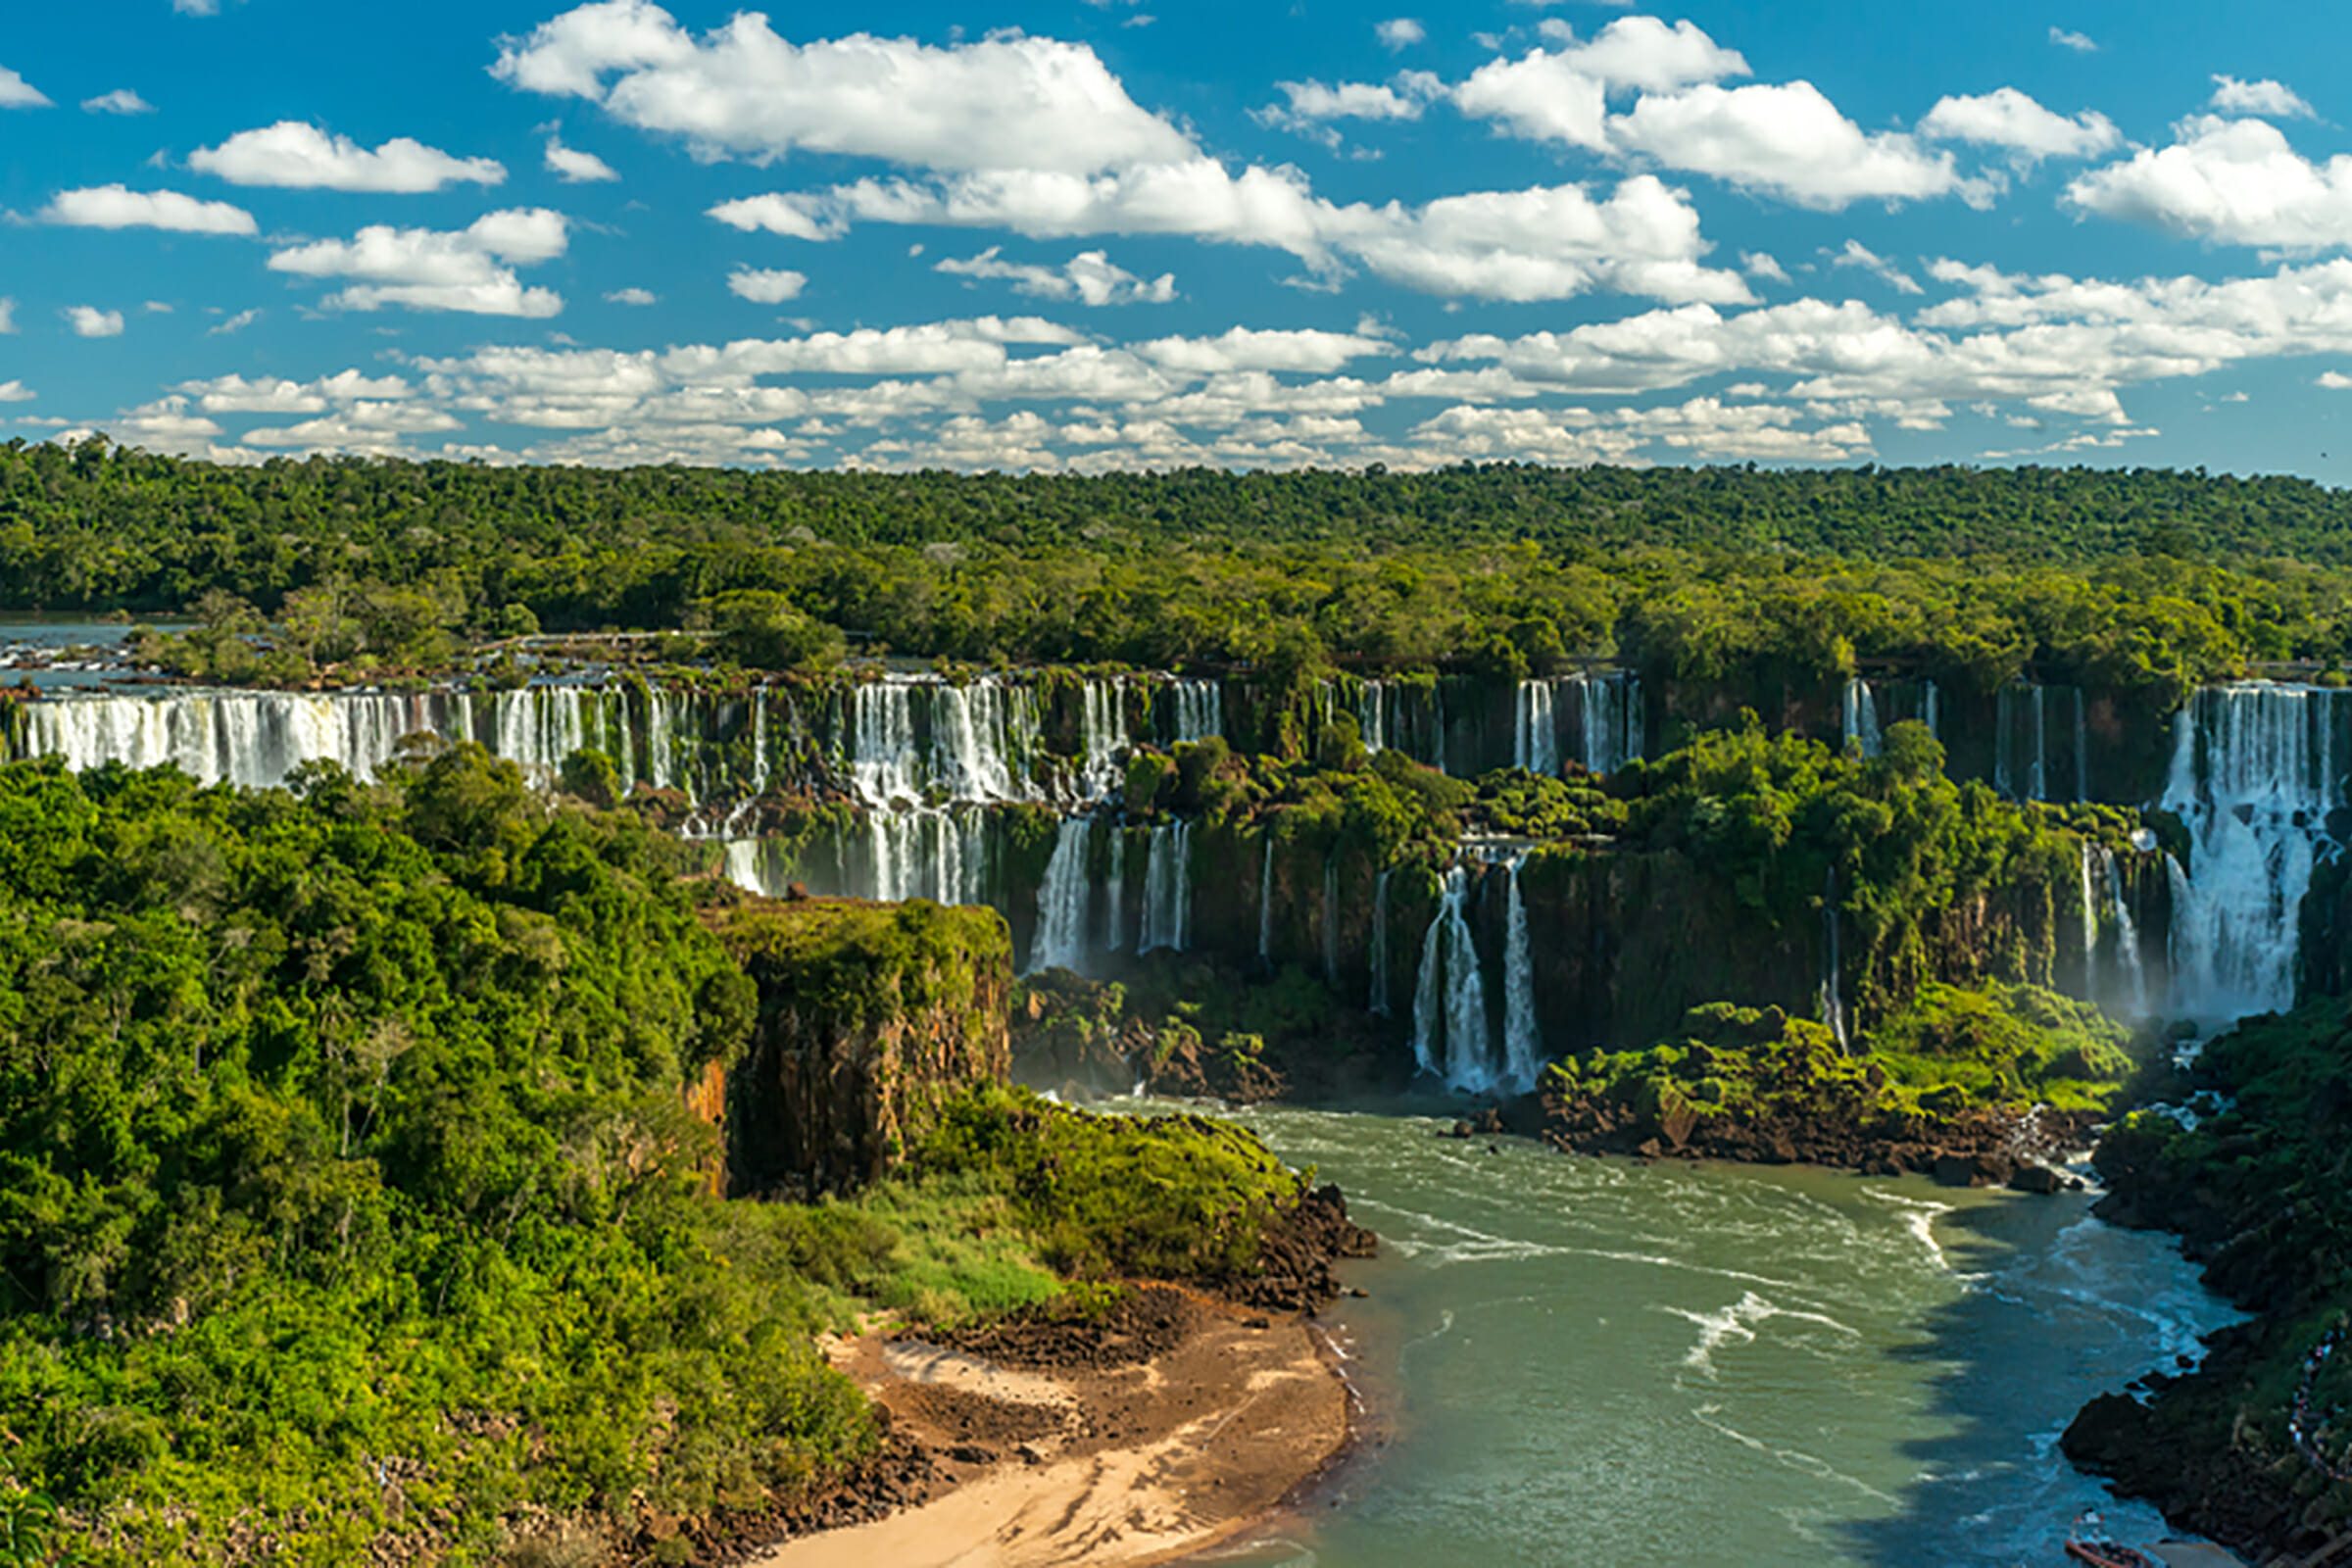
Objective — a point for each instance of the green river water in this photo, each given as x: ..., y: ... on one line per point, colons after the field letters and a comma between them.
x: 1571, y: 1360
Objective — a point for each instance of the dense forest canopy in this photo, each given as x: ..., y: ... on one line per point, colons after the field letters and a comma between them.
x: 349, y: 1199
x: 2146, y: 578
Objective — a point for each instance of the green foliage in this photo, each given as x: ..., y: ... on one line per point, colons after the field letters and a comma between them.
x: 762, y: 629
x: 1788, y: 823
x: 1110, y: 1197
x: 2144, y: 580
x: 2006, y: 1046
x: 351, y: 1204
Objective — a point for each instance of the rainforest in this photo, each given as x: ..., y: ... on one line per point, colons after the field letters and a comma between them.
x: 563, y: 1016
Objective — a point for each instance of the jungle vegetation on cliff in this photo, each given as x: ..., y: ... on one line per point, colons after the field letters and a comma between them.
x: 350, y: 1193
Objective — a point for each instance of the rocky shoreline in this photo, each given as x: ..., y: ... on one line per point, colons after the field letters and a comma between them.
x: 1971, y: 1149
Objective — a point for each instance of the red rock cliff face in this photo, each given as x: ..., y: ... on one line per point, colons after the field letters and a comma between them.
x: 871, y: 1016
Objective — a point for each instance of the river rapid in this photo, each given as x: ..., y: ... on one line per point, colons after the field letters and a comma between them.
x: 1574, y: 1360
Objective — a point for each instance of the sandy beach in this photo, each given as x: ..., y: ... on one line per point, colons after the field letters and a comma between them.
x: 1129, y: 1447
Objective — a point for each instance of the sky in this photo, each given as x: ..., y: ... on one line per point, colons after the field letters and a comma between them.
x: 1096, y: 234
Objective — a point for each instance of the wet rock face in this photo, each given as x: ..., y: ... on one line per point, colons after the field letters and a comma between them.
x: 871, y: 1017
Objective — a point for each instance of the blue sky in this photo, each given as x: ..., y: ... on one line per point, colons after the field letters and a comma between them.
x: 1139, y: 234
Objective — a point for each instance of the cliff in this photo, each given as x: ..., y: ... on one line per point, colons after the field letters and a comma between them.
x: 871, y: 1016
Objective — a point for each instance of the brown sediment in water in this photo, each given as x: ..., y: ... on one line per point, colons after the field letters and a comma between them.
x: 1175, y: 1424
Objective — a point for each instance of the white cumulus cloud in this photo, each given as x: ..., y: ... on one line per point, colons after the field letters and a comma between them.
x: 632, y: 296
x: 469, y: 270
x: 294, y: 155
x: 1787, y: 140
x: 2007, y: 117
x: 88, y: 321
x: 1090, y: 277
x: 18, y: 93
x: 762, y: 286
x: 574, y: 167
x: 2230, y: 181
x: 1007, y: 102
x: 2275, y: 99
x: 2081, y: 43
x: 121, y: 101
x: 1399, y: 32
x: 119, y: 207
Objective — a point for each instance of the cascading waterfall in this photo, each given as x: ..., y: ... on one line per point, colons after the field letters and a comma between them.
x: 1199, y: 709
x: 1534, y: 730
x: 1931, y: 708
x: 884, y: 766
x: 1451, y: 1037
x: 254, y: 739
x: 1860, y: 717
x: 2254, y: 790
x: 1522, y: 1040
x: 1609, y: 707
x: 2127, y: 935
x: 1114, y: 924
x: 1372, y: 716
x: 930, y: 853
x: 2091, y: 920
x: 1103, y: 736
x: 1833, y: 965
x: 1168, y: 889
x: 2021, y: 708
x: 1378, y: 1002
x: 1063, y: 900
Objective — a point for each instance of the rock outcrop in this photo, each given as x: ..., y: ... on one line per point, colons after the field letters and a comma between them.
x: 870, y: 1015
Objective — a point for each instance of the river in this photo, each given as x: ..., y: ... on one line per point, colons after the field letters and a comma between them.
x: 1573, y: 1360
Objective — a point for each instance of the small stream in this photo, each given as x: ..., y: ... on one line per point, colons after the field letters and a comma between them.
x: 1574, y: 1360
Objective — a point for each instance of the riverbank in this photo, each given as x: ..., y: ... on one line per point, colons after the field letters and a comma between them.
x: 1173, y: 1424
x: 2249, y: 1447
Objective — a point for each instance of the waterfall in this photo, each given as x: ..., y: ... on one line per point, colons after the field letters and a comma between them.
x: 1168, y: 889
x: 1265, y: 904
x: 1102, y: 736
x: 2254, y: 794
x: 1931, y: 708
x: 1199, y: 710
x: 967, y: 741
x: 2091, y: 922
x: 743, y: 864
x: 1371, y: 718
x: 2127, y: 935
x: 1331, y: 921
x: 1609, y: 721
x: 1380, y: 944
x: 1061, y: 901
x: 1449, y: 999
x: 883, y: 764
x: 1860, y: 718
x: 254, y: 739
x: 1535, y: 732
x: 1114, y: 926
x: 1522, y: 1040
x: 1833, y: 965
x: 925, y: 852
